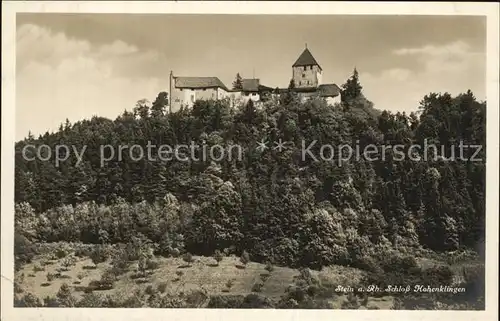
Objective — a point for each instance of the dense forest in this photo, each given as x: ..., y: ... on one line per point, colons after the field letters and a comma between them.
x: 276, y: 206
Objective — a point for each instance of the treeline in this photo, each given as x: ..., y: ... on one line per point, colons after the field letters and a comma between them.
x: 275, y: 205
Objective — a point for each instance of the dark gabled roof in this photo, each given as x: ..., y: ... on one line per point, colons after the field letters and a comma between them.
x: 299, y: 90
x: 306, y: 59
x: 265, y: 88
x: 326, y: 90
x: 250, y: 85
x: 253, y: 85
x: 305, y: 89
x: 199, y: 82
x: 329, y: 90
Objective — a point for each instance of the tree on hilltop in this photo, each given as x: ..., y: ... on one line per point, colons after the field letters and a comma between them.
x: 159, y: 105
x: 142, y: 109
x: 237, y: 83
x: 352, y: 88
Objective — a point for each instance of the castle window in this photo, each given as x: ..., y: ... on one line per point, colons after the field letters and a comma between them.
x: 303, y: 75
x: 192, y: 98
x: 300, y: 83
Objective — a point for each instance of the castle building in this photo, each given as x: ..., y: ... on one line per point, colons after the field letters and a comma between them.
x: 307, y: 76
x: 307, y: 73
x: 184, y: 91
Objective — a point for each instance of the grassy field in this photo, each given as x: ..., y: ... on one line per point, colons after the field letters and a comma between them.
x: 176, y: 277
x: 171, y: 277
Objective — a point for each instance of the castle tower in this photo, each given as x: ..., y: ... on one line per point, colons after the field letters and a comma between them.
x: 307, y: 72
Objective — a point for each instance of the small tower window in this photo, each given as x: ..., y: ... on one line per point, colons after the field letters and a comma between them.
x: 303, y: 75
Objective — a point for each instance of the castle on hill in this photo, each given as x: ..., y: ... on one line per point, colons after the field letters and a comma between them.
x: 307, y: 76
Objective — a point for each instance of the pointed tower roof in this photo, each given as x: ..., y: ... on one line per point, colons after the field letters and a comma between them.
x: 306, y: 59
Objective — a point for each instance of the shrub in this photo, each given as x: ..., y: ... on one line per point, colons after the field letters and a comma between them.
x: 225, y: 302
x: 18, y: 288
x: 38, y: 268
x: 229, y: 250
x: 131, y: 302
x: 83, y: 252
x: 107, y: 281
x: 47, y: 262
x: 68, y: 262
x: 296, y: 293
x: 398, y: 263
x: 64, y: 291
x: 175, y: 252
x: 50, y: 277
x: 170, y: 302
x: 61, y: 253
x: 51, y: 302
x: 162, y: 287
x: 152, y: 264
x: 98, y: 255
x: 244, y: 258
x: 257, y: 287
x: 367, y: 263
x: 264, y: 277
x: 29, y: 300
x: 352, y: 302
x: 288, y: 303
x: 364, y: 302
x: 188, y: 258
x: 90, y: 300
x: 269, y: 267
x: 150, y: 290
x: 65, y: 297
x: 255, y: 301
x: 196, y: 298
x: 171, y: 244
x: 441, y: 275
x: 24, y: 251
x: 218, y: 256
x: 474, y: 280
x: 120, y: 263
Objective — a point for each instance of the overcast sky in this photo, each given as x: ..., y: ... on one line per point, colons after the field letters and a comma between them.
x: 78, y: 65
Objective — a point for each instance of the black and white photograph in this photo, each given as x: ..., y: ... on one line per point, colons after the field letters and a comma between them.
x: 225, y: 161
